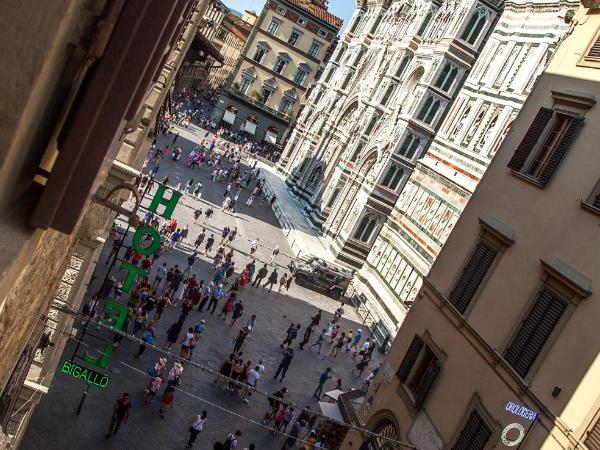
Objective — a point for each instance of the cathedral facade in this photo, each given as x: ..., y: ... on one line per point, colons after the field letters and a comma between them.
x: 402, y: 125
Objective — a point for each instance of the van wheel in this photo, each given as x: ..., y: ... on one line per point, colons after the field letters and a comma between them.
x: 300, y: 279
x: 336, y: 294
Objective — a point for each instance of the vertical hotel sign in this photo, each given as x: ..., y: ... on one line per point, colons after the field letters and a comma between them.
x: 516, y: 422
x: 116, y: 312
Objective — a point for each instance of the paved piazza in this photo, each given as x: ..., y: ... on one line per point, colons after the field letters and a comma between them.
x: 55, y: 416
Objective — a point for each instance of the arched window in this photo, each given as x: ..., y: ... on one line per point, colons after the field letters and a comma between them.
x: 356, y: 22
x: 393, y: 177
x: 409, y: 146
x: 388, y: 94
x: 474, y: 27
x: 385, y: 430
x: 447, y: 77
x: 403, y: 64
x: 359, y: 57
x: 366, y: 228
x: 357, y: 151
x: 461, y: 122
x: 425, y: 24
x: 333, y: 197
x: 429, y: 110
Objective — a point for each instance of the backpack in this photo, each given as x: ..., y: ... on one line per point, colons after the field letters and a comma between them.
x: 148, y: 338
x: 229, y: 442
x: 293, y: 334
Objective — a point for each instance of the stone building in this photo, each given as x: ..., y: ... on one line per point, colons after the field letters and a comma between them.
x: 402, y: 126
x: 204, y: 56
x: 500, y: 349
x: 80, y: 97
x: 282, y: 57
x: 229, y: 40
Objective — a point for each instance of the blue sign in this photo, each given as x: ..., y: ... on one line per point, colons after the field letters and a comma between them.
x: 520, y: 411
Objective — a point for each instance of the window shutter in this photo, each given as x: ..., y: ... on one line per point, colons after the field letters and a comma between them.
x: 531, y: 137
x: 430, y: 377
x: 592, y: 440
x: 474, y: 435
x: 534, y: 331
x: 410, y: 358
x: 561, y: 149
x: 594, y: 50
x: 472, y: 275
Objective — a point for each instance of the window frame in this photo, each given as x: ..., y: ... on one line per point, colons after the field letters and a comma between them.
x: 587, y: 61
x: 318, y: 45
x: 592, y: 202
x: 572, y: 294
x: 440, y: 357
x: 496, y: 235
x: 281, y: 10
x: 432, y: 104
x: 302, y: 21
x: 545, y: 117
x: 414, y: 138
x: 322, y: 33
x: 476, y: 404
x: 479, y: 14
x: 300, y: 71
x: 275, y: 21
x: 371, y: 220
x: 262, y: 56
x: 280, y: 61
x: 294, y: 31
x: 398, y: 169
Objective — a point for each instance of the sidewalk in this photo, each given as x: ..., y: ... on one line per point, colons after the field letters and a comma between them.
x: 303, y: 238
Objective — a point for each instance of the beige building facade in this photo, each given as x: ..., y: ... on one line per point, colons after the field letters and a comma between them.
x: 500, y: 349
x: 76, y: 123
x: 283, y: 56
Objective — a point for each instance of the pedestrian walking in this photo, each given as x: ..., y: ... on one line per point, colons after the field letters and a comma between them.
x: 161, y: 273
x: 261, y: 274
x: 306, y: 337
x: 120, y: 414
x: 200, y: 239
x: 209, y: 244
x: 187, y: 343
x: 293, y: 434
x: 271, y: 281
x: 251, y: 383
x: 338, y: 345
x: 320, y: 340
x: 254, y: 246
x: 282, y: 281
x: 274, y: 253
x: 232, y: 440
x: 284, y: 365
x: 196, y: 427
x: 325, y: 375
x: 291, y: 335
x: 173, y: 334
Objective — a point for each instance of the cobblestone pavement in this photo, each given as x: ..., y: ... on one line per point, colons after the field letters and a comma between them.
x: 55, y: 425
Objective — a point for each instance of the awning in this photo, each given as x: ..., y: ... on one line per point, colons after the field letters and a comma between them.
x: 250, y: 127
x: 271, y: 137
x: 229, y: 117
x: 207, y: 46
x: 331, y: 410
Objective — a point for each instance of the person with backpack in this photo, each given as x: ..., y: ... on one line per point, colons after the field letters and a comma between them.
x: 232, y: 440
x: 292, y: 333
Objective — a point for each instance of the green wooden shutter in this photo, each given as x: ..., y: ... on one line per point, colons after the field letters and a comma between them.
x: 531, y: 137
x: 561, y: 149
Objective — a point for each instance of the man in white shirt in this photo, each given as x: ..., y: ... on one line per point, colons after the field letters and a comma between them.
x: 196, y: 427
x: 252, y: 382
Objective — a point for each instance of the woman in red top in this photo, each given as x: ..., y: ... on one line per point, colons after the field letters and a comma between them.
x: 227, y: 307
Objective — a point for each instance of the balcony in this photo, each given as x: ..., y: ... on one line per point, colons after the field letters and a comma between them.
x: 247, y: 99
